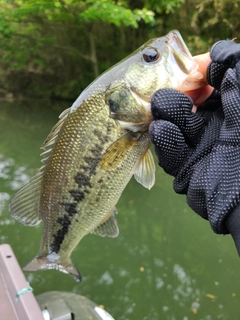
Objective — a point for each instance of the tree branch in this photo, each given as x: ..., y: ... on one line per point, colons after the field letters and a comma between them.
x: 75, y: 51
x: 68, y: 8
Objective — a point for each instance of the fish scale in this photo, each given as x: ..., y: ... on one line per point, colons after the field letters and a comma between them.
x: 72, y: 163
x: 96, y: 147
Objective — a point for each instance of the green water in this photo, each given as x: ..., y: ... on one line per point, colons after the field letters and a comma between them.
x: 165, y: 264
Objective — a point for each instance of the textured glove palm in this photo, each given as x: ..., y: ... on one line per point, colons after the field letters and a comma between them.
x: 202, y: 150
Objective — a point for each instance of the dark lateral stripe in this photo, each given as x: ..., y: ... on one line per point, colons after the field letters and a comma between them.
x: 64, y: 223
x: 77, y: 195
x: 82, y: 179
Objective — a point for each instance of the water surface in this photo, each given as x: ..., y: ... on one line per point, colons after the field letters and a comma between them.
x: 166, y: 263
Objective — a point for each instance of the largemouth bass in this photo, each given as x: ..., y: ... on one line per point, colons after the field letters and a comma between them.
x: 99, y: 143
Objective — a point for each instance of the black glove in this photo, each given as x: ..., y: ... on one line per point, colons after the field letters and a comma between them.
x: 202, y: 150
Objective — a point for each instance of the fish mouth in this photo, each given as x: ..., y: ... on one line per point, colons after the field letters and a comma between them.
x: 181, y: 53
x: 188, y: 67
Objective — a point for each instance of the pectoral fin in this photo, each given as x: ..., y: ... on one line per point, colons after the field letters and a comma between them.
x: 117, y: 151
x: 145, y: 173
x: 108, y: 227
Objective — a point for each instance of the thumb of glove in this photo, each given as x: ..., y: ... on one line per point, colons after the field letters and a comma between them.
x: 169, y: 144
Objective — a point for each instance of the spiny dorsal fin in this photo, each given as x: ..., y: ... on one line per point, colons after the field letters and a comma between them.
x: 108, y: 227
x: 51, y: 138
x: 145, y: 173
x: 55, y: 130
x: 24, y: 206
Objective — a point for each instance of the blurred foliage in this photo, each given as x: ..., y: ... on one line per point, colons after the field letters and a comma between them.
x: 55, y: 48
x: 217, y: 18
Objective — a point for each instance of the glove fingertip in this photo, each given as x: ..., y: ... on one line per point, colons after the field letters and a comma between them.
x: 215, y: 74
x: 166, y: 135
x: 225, y: 52
x: 214, y: 46
x: 169, y: 145
x: 165, y: 100
x: 154, y: 131
x: 159, y: 100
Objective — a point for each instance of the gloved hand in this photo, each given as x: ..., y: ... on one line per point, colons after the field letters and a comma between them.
x: 202, y: 150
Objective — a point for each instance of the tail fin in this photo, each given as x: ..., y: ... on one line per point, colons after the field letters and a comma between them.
x: 44, y: 263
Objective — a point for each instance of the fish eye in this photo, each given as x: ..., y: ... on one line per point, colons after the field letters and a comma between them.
x: 150, y: 55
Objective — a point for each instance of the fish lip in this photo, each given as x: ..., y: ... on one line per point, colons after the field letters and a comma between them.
x: 191, y: 78
x: 178, y: 46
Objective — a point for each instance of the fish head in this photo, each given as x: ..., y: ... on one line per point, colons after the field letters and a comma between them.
x: 163, y: 62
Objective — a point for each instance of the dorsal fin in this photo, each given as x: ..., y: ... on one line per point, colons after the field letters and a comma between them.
x: 51, y: 138
x: 55, y: 130
x: 145, y: 173
x: 108, y: 226
x: 24, y: 206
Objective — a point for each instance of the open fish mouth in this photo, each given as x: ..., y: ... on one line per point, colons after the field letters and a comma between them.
x: 181, y: 53
x: 181, y: 57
